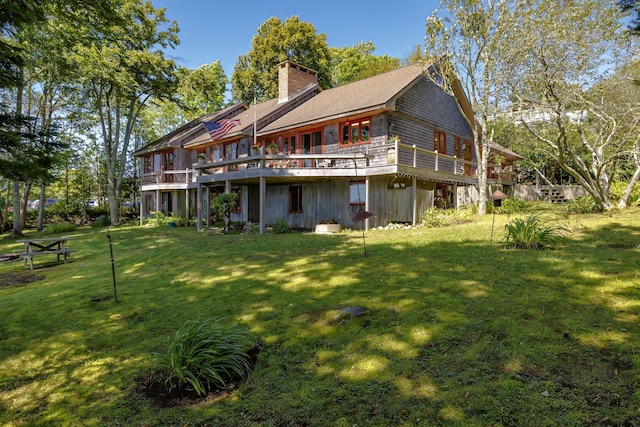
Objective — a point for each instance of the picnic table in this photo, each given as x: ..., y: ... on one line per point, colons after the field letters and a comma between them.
x: 53, y: 245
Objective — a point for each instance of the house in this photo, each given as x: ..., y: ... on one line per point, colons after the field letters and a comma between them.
x: 391, y: 145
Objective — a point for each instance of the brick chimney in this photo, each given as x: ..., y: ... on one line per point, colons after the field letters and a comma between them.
x: 293, y: 77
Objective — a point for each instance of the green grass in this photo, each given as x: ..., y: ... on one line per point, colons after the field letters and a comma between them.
x: 459, y: 331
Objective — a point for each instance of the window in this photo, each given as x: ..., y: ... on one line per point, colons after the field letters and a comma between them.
x: 457, y: 146
x: 290, y: 146
x: 295, y: 199
x: 357, y: 192
x: 147, y: 164
x: 440, y: 142
x: 358, y: 132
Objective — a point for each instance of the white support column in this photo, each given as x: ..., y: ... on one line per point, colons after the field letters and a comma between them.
x: 199, y: 205
x: 366, y: 200
x: 414, y: 188
x: 227, y: 190
x: 263, y: 204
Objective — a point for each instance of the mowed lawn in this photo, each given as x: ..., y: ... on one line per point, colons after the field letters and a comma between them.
x: 459, y: 330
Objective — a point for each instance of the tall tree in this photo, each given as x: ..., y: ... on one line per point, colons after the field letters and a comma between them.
x: 120, y: 71
x: 350, y: 64
x: 562, y: 54
x: 199, y: 92
x: 468, y: 41
x: 632, y: 6
x: 256, y: 74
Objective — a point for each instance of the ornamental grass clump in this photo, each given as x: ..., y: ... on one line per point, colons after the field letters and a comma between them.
x: 206, y: 356
x: 532, y: 233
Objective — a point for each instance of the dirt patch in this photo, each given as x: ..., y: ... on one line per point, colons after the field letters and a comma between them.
x: 18, y: 278
x: 160, y: 394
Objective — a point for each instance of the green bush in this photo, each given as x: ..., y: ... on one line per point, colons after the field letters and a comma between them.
x: 205, y: 356
x: 101, y: 221
x: 511, y: 206
x: 532, y: 233
x: 60, y: 227
x: 158, y: 219
x: 443, y: 217
x: 586, y: 204
x: 281, y: 226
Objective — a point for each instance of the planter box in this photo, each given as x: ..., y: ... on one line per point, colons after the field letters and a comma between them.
x: 328, y: 228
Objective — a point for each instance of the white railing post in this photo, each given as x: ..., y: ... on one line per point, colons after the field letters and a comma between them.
x: 415, y: 155
x: 436, y: 166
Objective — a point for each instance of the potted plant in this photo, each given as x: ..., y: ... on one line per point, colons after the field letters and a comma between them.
x: 272, y: 148
x: 201, y: 158
x: 255, y: 149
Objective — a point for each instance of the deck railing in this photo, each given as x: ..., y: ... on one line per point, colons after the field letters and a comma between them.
x: 370, y: 156
x: 181, y: 176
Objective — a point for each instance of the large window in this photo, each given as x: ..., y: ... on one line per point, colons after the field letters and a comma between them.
x: 355, y: 132
x: 357, y: 192
x: 457, y: 146
x: 147, y: 164
x: 440, y: 142
x: 295, y: 199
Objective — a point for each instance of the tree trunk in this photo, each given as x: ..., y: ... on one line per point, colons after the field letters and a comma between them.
x: 623, y: 203
x: 17, y: 226
x: 41, y: 209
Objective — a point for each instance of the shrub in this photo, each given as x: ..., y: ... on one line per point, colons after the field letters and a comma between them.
x: 158, y: 219
x: 585, y: 204
x: 511, y: 206
x: 532, y: 233
x: 60, y: 227
x: 205, y: 356
x: 443, y: 217
x: 101, y: 221
x: 281, y: 226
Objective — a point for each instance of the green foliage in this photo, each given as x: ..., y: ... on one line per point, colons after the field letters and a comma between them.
x: 60, y: 227
x: 280, y: 226
x: 619, y: 187
x: 221, y: 206
x: 511, y: 206
x: 205, y: 356
x: 583, y: 204
x: 350, y: 64
x: 444, y: 217
x: 158, y: 219
x: 101, y: 221
x: 532, y: 233
x: 256, y: 73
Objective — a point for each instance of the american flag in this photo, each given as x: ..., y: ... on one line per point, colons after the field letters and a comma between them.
x: 218, y: 129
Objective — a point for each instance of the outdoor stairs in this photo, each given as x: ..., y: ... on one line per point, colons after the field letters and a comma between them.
x: 552, y: 194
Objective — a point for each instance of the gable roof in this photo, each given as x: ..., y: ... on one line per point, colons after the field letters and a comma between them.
x: 372, y: 94
x: 262, y: 113
x: 188, y: 130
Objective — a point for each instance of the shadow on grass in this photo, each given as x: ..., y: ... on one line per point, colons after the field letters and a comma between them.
x: 457, y: 331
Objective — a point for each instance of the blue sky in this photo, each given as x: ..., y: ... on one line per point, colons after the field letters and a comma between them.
x: 212, y: 31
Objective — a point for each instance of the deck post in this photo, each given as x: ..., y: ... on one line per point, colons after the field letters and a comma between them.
x: 263, y: 204
x: 414, y: 194
x: 199, y: 205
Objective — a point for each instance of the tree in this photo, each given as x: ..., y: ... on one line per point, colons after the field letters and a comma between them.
x: 255, y: 74
x: 632, y: 6
x: 121, y: 70
x: 467, y: 39
x: 199, y: 92
x: 350, y: 64
x: 30, y: 56
x: 562, y: 54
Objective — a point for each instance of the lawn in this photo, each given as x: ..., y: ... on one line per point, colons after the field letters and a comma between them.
x: 459, y: 331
